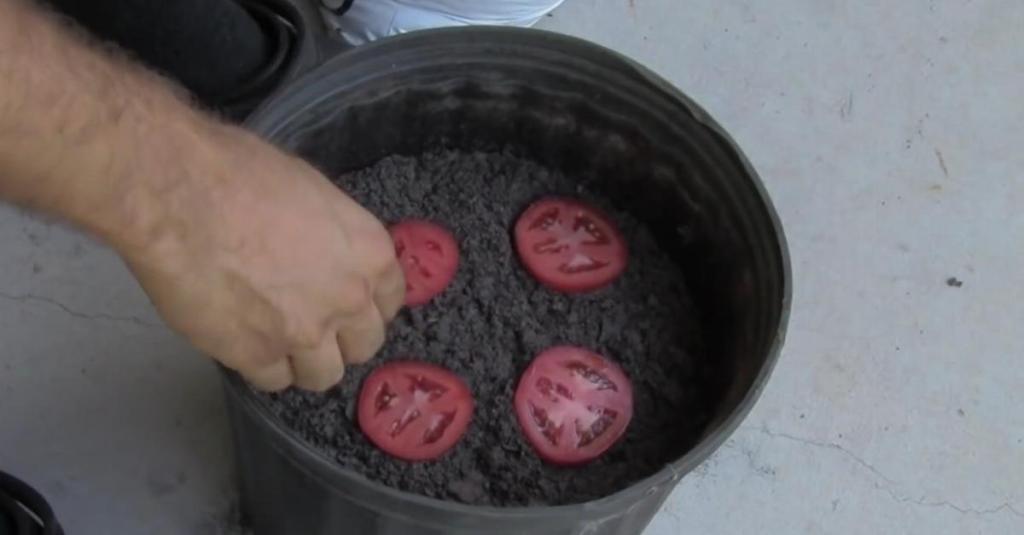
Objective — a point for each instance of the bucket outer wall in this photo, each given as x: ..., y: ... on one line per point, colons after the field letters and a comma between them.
x: 284, y: 492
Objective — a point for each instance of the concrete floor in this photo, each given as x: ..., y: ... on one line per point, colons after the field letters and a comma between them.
x: 888, y: 134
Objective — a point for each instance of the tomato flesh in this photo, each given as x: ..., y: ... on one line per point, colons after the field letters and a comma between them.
x: 570, y: 246
x: 414, y: 410
x: 573, y: 404
x: 429, y: 258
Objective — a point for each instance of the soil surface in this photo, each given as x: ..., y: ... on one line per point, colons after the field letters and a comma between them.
x: 494, y: 318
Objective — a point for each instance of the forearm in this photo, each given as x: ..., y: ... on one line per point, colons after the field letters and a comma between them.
x: 87, y: 135
x: 250, y: 253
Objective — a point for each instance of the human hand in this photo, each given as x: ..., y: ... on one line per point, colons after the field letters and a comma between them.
x: 248, y: 252
x: 262, y: 263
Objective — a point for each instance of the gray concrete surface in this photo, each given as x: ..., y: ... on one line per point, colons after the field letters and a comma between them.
x: 889, y: 135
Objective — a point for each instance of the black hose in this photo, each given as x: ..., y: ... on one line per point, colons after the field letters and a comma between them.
x: 283, y: 35
x: 210, y: 46
x: 340, y: 10
x: 25, y: 509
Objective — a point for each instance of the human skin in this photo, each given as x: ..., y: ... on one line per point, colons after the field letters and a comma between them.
x: 247, y: 251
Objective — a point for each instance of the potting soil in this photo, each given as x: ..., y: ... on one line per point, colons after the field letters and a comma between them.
x: 494, y: 318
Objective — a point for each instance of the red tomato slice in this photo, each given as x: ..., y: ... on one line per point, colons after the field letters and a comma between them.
x: 429, y: 257
x: 569, y: 246
x: 413, y: 410
x: 573, y: 404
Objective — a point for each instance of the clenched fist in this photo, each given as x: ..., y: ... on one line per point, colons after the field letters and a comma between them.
x: 261, y: 262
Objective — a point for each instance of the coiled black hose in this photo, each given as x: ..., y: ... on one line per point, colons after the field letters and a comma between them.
x: 23, y: 511
x: 228, y: 53
x: 210, y: 46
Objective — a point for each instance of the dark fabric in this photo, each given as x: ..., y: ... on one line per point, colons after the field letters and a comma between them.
x: 210, y: 46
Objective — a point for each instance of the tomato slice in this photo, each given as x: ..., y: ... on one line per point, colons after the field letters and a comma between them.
x: 570, y: 246
x: 429, y: 258
x: 573, y: 404
x: 414, y: 410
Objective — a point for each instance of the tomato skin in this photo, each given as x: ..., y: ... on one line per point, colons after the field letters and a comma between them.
x: 414, y: 410
x: 429, y: 257
x: 573, y: 405
x: 569, y: 246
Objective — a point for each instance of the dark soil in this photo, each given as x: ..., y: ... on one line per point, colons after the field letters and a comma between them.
x: 494, y: 318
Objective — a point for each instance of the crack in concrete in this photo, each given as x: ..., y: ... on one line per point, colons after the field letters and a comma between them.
x: 828, y: 445
x: 758, y: 468
x: 1006, y: 507
x: 32, y: 298
x: 942, y: 162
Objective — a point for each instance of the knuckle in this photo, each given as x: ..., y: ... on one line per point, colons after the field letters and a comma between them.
x: 357, y: 295
x: 322, y: 383
x: 304, y: 335
x: 272, y: 381
x: 260, y: 358
x: 368, y: 349
x: 361, y: 338
x: 380, y: 253
x: 318, y: 374
x: 245, y: 351
x: 269, y: 383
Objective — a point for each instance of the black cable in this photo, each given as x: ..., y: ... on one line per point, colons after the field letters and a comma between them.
x: 340, y: 10
x: 283, y: 35
x: 14, y: 520
x: 26, y: 508
x: 210, y: 46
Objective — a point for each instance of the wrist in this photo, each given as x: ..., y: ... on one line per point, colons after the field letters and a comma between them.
x: 89, y: 136
x: 172, y: 161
